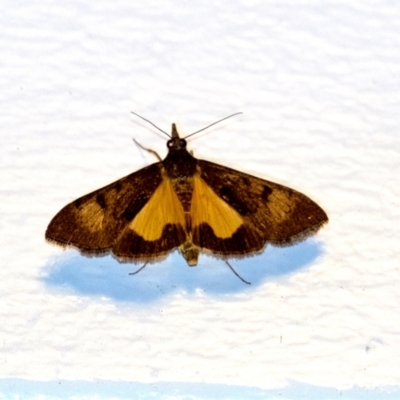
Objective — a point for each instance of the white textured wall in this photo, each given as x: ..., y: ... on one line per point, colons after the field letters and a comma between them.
x: 319, y: 85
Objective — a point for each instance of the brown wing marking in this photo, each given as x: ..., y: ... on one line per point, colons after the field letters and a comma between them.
x: 271, y: 212
x: 93, y: 222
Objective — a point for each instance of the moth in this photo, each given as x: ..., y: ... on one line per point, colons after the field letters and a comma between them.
x: 187, y: 204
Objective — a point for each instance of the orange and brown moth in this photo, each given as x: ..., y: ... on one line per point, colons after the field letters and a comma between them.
x: 186, y: 204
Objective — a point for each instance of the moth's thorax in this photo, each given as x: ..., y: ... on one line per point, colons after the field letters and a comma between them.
x: 179, y: 164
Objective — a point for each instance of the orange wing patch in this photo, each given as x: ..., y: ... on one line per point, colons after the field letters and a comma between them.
x: 210, y: 209
x: 162, y: 208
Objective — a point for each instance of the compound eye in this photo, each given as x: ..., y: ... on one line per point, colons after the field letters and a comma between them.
x: 170, y: 143
x: 182, y: 142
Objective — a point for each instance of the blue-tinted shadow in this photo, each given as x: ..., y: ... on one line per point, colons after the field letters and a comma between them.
x: 14, y: 388
x: 105, y: 276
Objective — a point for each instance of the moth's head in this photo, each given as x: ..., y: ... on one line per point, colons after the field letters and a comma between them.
x: 176, y: 143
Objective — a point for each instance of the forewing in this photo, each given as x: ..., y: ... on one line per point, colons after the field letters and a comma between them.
x: 101, y: 221
x: 271, y: 213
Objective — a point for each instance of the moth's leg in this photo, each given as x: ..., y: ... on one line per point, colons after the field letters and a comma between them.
x: 149, y: 150
x: 134, y: 273
x: 230, y: 266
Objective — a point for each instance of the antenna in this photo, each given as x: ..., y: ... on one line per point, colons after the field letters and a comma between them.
x: 223, y: 119
x: 155, y: 126
x: 203, y: 129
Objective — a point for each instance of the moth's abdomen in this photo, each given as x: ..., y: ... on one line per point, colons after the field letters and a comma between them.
x: 184, y: 190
